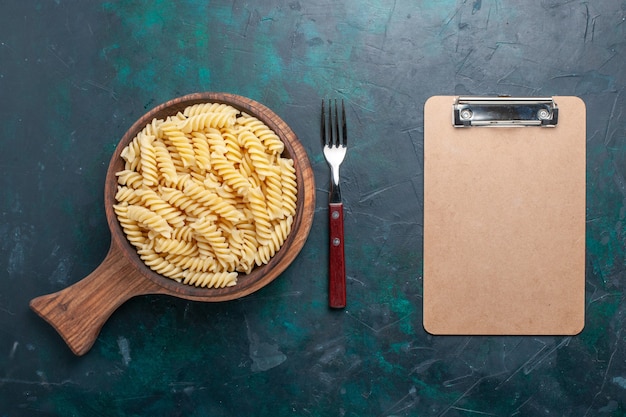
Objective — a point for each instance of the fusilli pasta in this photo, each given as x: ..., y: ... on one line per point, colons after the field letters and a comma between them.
x: 206, y: 195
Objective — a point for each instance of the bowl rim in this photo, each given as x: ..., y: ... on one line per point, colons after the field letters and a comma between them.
x: 303, y: 219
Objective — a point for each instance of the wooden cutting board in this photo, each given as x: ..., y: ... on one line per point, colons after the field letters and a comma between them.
x: 79, y: 311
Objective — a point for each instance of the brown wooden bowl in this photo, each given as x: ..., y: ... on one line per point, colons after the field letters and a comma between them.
x: 79, y: 311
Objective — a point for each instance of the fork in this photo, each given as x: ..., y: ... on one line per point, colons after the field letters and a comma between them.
x: 334, y: 141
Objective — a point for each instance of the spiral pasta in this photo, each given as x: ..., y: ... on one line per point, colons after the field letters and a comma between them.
x: 206, y: 195
x: 256, y: 150
x: 149, y: 168
x: 154, y: 202
x: 201, y: 149
x: 274, y: 195
x: 151, y: 220
x: 231, y: 176
x: 266, y: 251
x: 181, y: 143
x: 214, y: 119
x: 289, y: 186
x: 129, y: 178
x: 127, y: 195
x: 266, y: 135
x: 200, y: 108
x: 165, y: 164
x: 212, y: 201
x: 136, y: 236
x: 131, y: 154
x: 210, y: 279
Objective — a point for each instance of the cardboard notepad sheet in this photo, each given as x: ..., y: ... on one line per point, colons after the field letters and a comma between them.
x: 504, y: 225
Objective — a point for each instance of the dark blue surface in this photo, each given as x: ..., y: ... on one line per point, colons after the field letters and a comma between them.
x: 74, y: 75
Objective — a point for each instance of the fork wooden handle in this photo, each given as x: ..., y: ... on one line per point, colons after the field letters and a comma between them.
x: 337, y: 264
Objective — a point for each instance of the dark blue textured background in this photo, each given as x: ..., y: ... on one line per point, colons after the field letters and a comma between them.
x: 74, y: 75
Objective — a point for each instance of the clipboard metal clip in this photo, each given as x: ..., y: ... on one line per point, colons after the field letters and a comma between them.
x: 505, y: 111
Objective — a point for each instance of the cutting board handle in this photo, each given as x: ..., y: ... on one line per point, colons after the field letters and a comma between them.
x: 78, y: 312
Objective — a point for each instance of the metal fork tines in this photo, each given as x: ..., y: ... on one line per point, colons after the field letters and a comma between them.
x: 334, y: 141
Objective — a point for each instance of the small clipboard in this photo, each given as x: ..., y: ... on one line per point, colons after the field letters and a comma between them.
x: 504, y: 215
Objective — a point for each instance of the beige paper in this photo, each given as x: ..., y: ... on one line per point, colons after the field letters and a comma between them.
x: 504, y: 225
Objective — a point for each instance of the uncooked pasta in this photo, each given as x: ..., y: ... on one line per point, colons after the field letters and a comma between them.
x: 206, y: 195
